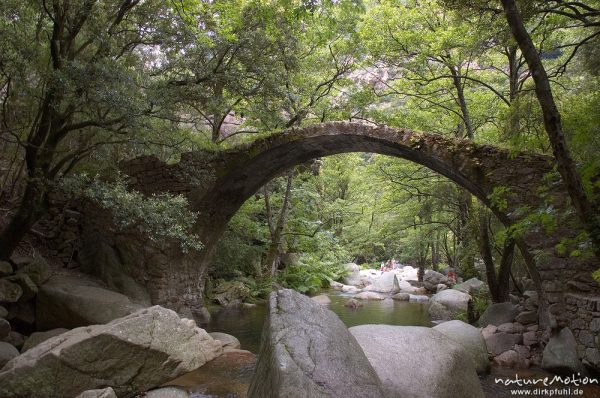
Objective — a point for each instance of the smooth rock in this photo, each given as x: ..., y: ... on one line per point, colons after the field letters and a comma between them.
x: 322, y: 299
x: 131, y: 354
x: 167, y: 392
x: 448, y: 304
x: 4, y: 328
x: 512, y: 327
x: 416, y: 362
x: 497, y: 343
x: 9, y: 292
x: 523, y: 351
x: 353, y: 303
x: 37, y: 269
x: 369, y: 296
x: 307, y: 351
x: 15, y: 339
x: 401, y: 296
x: 432, y: 278
x: 7, y: 352
x: 560, y: 354
x: 231, y: 293
x: 107, y: 392
x: 527, y: 317
x: 387, y: 283
x: 22, y: 313
x: 472, y: 285
x: 39, y: 337
x: 202, y: 315
x: 440, y: 287
x: 3, y: 312
x: 497, y: 314
x: 418, y: 298
x: 489, y: 330
x: 228, y: 341
x: 470, y: 338
x: 66, y: 302
x: 353, y: 276
x: 511, y: 359
x: 228, y: 375
x: 27, y: 286
x: 350, y: 289
x: 336, y: 285
x: 406, y: 287
x: 5, y: 268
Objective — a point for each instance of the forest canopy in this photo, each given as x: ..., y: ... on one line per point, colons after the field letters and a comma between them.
x: 85, y: 85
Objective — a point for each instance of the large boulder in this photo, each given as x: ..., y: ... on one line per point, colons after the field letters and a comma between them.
x: 230, y: 293
x: 470, y: 286
x: 15, y: 339
x: 227, y: 341
x: 415, y: 362
x: 306, y: 351
x: 39, y: 337
x: 497, y: 314
x: 448, y: 304
x: 406, y: 287
x: 7, y: 352
x: 5, y: 268
x: 9, y: 292
x: 387, y: 283
x: 369, y: 296
x: 470, y: 338
x: 511, y: 359
x: 67, y: 302
x: 432, y: 279
x: 527, y: 317
x: 28, y: 287
x: 99, y: 393
x: 497, y: 343
x: 353, y: 276
x: 228, y: 375
x: 35, y: 268
x: 4, y: 328
x: 167, y: 392
x: 322, y: 299
x: 560, y: 354
x: 131, y: 354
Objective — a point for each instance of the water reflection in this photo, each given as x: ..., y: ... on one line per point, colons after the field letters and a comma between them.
x: 388, y: 312
x: 246, y: 323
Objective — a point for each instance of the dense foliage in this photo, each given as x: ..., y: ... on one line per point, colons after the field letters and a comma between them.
x: 87, y: 84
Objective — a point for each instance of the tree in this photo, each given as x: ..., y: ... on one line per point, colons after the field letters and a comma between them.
x: 587, y: 208
x: 498, y: 281
x: 74, y: 77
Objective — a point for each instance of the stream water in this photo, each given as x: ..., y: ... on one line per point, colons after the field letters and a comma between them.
x: 229, y: 375
x: 246, y: 323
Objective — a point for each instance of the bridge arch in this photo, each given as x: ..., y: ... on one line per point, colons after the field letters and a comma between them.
x: 217, y: 183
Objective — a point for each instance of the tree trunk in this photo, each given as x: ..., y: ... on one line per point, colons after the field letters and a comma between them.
x: 33, y: 205
x: 503, y: 281
x: 274, y: 252
x: 587, y: 210
x: 464, y: 232
x: 499, y: 283
x: 462, y: 103
x: 546, y: 320
x: 435, y: 256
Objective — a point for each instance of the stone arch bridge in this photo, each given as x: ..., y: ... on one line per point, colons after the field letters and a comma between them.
x: 217, y: 184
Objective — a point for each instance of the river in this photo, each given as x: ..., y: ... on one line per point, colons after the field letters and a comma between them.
x: 229, y: 376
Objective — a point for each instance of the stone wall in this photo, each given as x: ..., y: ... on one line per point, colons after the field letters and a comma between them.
x: 582, y: 312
